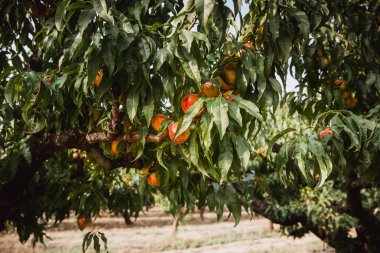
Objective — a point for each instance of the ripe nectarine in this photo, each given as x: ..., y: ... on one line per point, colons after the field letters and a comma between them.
x: 187, y: 101
x: 210, y: 90
x: 325, y: 132
x: 157, y: 120
x: 249, y: 44
x: 83, y: 222
x: 153, y: 180
x: 337, y: 82
x: 98, y: 78
x: 224, y: 85
x: 352, y: 102
x: 343, y: 85
x: 114, y: 144
x: 230, y: 72
x: 182, y: 137
x: 145, y: 170
x: 345, y: 95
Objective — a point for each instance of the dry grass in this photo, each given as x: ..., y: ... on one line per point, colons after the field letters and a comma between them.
x: 153, y: 233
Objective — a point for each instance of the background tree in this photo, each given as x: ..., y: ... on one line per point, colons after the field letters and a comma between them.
x: 82, y: 80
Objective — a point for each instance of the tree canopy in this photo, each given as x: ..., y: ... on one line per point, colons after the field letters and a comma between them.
x: 106, y: 103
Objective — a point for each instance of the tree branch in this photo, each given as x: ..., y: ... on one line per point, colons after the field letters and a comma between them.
x: 135, y: 136
x: 262, y: 207
x: 354, y: 203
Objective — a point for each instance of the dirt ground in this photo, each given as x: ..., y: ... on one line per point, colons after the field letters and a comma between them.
x: 153, y: 232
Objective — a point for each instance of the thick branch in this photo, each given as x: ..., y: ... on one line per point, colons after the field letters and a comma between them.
x: 262, y: 207
x: 359, y: 184
x: 135, y: 136
x: 116, y: 119
x: 97, y: 137
x: 354, y: 203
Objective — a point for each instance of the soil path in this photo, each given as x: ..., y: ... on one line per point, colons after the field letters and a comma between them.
x: 152, y: 232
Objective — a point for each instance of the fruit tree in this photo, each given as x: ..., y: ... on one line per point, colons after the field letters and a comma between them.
x: 105, y: 103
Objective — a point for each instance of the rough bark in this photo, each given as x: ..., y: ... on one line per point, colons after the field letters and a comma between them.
x: 262, y: 207
x: 366, y: 218
x: 43, y: 147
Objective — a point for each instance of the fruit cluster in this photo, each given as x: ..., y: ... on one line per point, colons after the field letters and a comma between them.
x: 209, y: 89
x: 223, y: 85
x: 350, y: 100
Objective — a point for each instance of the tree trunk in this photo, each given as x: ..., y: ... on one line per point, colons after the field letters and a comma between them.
x: 201, y: 213
x: 271, y: 227
x: 368, y: 221
x: 127, y: 218
x: 182, y: 213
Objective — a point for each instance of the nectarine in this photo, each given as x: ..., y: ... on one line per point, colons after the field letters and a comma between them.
x: 187, y: 101
x: 98, y: 78
x: 182, y: 137
x: 157, y: 120
x: 153, y: 180
x: 325, y: 132
x: 210, y: 90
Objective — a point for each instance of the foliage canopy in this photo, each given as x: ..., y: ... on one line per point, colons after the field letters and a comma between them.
x: 81, y: 81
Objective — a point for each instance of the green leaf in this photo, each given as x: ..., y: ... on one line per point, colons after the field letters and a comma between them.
x: 163, y: 55
x: 303, y: 22
x: 204, y: 9
x: 132, y: 103
x: 237, y: 6
x: 25, y: 151
x: 145, y: 48
x: 243, y: 149
x: 274, y: 25
x: 12, y: 89
x: 101, y: 8
x: 275, y: 85
x: 282, y: 159
x: 139, y: 9
x: 206, y: 126
x: 325, y: 168
x: 276, y: 137
x: 96, y: 243
x: 249, y: 65
x: 93, y: 65
x: 159, y: 156
x: 189, y: 64
x: 285, y: 43
x: 218, y: 108
x: 104, y: 239
x: 187, y: 119
x: 6, y: 72
x: 87, y: 241
x: 300, y: 150
x: 148, y: 109
x: 225, y: 157
x: 233, y: 202
x: 316, y: 148
x: 234, y: 112
x: 261, y: 80
x: 60, y: 14
x: 193, y: 149
x: 10, y: 171
x: 108, y: 56
x: 249, y: 107
x: 187, y: 37
x: 143, y: 132
x: 194, y: 153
